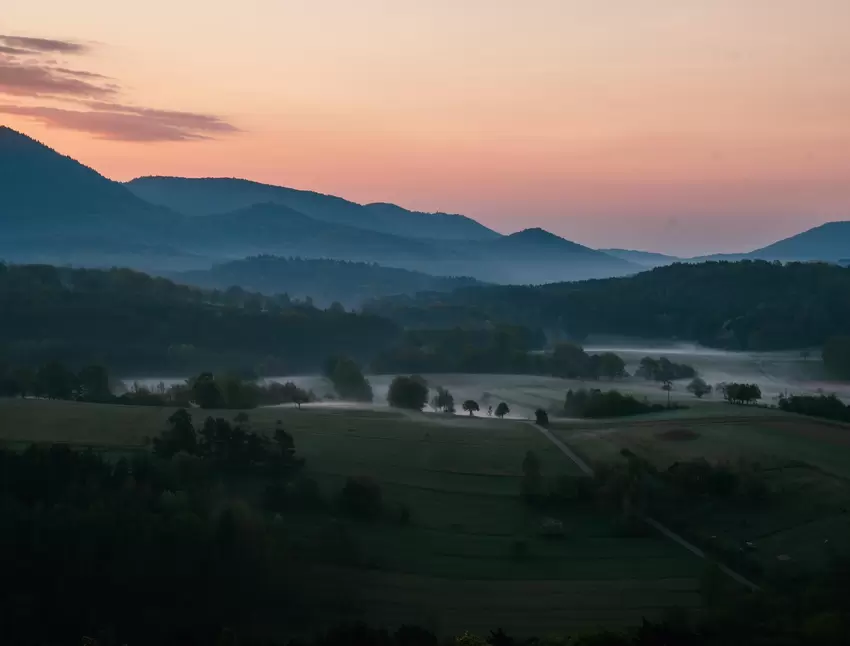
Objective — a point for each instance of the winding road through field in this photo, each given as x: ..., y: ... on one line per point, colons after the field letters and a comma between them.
x: 693, y: 549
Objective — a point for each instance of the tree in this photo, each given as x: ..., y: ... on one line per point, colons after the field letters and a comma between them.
x: 741, y: 393
x: 570, y: 361
x: 668, y: 387
x: 502, y: 410
x: 611, y: 366
x: 54, y: 381
x: 407, y: 392
x: 698, y: 387
x: 179, y: 437
x: 205, y: 391
x: 541, y: 417
x: 443, y: 401
x: 664, y: 370
x: 300, y: 396
x: 471, y: 406
x: 94, y: 383
x: 348, y: 379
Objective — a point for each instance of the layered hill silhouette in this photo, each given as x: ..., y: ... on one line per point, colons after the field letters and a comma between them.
x: 322, y: 281
x: 206, y: 196
x: 56, y: 210
x: 829, y: 242
x: 644, y: 258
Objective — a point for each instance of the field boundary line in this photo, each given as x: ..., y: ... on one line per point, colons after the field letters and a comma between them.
x: 664, y: 531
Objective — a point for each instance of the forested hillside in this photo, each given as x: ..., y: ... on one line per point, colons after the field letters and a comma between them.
x: 132, y: 322
x: 752, y: 305
x: 323, y: 281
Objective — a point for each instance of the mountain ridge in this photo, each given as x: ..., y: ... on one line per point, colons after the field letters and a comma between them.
x: 204, y: 196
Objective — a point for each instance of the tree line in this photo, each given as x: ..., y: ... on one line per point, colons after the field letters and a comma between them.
x: 747, y: 305
x: 132, y: 322
x: 502, y: 350
x: 94, y: 384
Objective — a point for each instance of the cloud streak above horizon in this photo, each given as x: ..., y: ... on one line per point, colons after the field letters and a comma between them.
x: 124, y: 123
x: 28, y: 70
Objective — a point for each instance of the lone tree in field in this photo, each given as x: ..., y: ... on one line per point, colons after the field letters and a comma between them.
x: 698, y: 387
x: 541, y: 417
x: 408, y: 392
x: 471, y: 406
x: 502, y: 410
x: 668, y: 386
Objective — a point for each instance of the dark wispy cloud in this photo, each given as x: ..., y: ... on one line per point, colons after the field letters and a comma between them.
x: 29, y: 69
x: 124, y: 123
x: 12, y: 51
x: 43, y: 45
x: 30, y: 79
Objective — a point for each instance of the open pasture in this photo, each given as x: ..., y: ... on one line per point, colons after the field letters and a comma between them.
x: 803, y: 463
x: 472, y: 556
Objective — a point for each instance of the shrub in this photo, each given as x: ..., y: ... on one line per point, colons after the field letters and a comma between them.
x: 594, y: 403
x: 361, y: 498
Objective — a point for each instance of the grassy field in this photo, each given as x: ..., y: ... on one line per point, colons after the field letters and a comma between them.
x: 804, y: 462
x: 454, y: 567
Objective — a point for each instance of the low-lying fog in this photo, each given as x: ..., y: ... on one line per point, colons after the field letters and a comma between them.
x: 775, y: 372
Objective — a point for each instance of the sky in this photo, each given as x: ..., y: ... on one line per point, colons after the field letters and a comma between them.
x: 680, y: 126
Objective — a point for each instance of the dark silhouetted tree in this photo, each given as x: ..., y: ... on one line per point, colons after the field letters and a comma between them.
x: 698, y: 387
x: 347, y: 379
x: 206, y: 392
x: 55, y: 381
x: 94, y: 383
x: 471, y: 406
x: 408, y: 392
x: 502, y: 410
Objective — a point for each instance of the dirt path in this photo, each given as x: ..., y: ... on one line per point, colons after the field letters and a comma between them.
x: 693, y: 549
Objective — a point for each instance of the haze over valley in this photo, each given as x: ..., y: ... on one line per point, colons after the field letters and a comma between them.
x: 433, y: 323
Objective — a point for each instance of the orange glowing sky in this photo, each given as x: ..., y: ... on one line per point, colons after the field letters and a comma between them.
x: 684, y: 126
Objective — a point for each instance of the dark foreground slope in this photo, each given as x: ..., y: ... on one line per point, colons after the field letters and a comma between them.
x: 134, y: 323
x: 753, y: 305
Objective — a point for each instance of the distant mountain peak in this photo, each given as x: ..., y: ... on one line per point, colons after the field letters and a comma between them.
x: 536, y: 233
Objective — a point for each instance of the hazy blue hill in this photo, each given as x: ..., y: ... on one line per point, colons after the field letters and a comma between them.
x: 277, y: 229
x: 438, y: 226
x: 39, y: 186
x: 645, y: 258
x: 537, y: 240
x: 207, y: 196
x: 325, y: 281
x: 55, y: 209
x: 829, y: 242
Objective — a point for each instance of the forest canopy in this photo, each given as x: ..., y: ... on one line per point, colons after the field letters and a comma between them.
x: 747, y: 305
